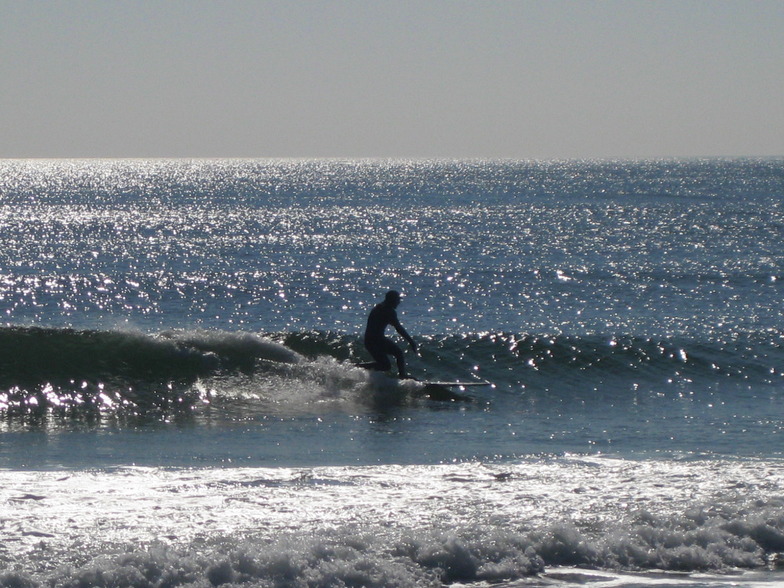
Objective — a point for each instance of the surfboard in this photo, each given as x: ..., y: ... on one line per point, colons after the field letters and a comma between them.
x: 440, y: 390
x: 453, y: 384
x: 443, y: 383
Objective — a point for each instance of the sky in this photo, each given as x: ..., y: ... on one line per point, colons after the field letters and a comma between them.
x: 544, y: 79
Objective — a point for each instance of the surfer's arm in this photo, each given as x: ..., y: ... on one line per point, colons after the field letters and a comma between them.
x: 399, y: 328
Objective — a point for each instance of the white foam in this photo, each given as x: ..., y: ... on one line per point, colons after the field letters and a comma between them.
x: 392, y: 525
x: 238, y: 344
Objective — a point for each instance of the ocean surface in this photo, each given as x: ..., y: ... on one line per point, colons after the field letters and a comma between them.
x: 180, y: 406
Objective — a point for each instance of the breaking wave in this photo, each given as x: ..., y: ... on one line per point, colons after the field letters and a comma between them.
x: 51, y: 368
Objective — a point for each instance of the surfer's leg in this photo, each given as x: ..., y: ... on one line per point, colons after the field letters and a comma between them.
x: 378, y: 352
x: 400, y: 358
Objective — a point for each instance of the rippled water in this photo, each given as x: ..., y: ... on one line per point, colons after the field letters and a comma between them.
x: 657, y: 248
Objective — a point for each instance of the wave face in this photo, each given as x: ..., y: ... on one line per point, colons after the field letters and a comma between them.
x: 64, y: 369
x: 33, y: 356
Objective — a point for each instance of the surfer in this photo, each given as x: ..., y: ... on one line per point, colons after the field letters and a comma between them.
x: 379, y: 346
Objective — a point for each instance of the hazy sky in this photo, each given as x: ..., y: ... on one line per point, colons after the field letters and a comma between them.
x: 372, y: 78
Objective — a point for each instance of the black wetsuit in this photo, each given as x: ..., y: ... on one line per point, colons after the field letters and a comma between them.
x: 379, y: 346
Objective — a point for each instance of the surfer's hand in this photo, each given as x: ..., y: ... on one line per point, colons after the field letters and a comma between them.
x: 414, y: 347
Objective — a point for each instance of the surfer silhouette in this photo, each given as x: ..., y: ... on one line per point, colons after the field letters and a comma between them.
x: 378, y: 345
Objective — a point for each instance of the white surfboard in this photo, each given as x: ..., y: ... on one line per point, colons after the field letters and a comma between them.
x: 453, y: 384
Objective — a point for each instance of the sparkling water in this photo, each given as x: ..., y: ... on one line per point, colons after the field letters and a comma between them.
x: 180, y: 405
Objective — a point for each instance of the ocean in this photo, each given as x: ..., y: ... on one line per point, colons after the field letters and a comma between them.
x: 180, y: 403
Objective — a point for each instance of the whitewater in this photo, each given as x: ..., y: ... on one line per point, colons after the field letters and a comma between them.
x: 180, y: 403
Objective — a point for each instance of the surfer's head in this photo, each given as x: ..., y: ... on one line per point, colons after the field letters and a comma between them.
x: 392, y: 298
